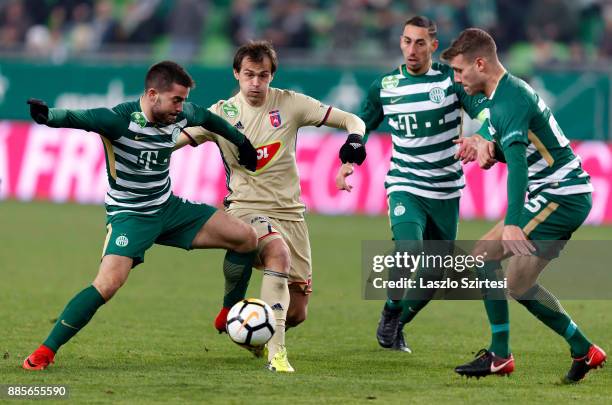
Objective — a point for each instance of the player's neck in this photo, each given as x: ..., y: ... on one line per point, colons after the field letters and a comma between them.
x: 253, y: 101
x: 424, y: 69
x: 145, y: 108
x: 495, y: 77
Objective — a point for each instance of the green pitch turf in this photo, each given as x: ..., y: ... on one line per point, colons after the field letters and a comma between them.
x: 154, y: 342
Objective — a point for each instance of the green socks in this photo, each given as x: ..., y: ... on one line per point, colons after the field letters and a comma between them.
x: 76, y: 315
x: 547, y: 308
x: 237, y: 269
x: 496, y: 305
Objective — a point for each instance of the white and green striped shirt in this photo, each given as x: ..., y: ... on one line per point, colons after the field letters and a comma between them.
x: 138, y: 151
x: 424, y: 113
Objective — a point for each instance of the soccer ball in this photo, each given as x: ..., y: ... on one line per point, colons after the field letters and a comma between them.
x: 251, y: 323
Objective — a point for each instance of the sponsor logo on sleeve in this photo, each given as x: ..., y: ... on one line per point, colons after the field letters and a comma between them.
x: 389, y: 82
x: 138, y: 118
x: 230, y: 110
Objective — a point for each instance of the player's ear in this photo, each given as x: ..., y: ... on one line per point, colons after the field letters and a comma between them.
x: 434, y: 45
x: 236, y: 74
x: 152, y: 95
x: 480, y: 63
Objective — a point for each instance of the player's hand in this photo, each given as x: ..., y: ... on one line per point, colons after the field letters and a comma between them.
x: 468, y: 148
x: 353, y: 150
x: 486, y: 154
x: 247, y: 155
x: 39, y: 110
x: 515, y: 241
x: 344, y: 171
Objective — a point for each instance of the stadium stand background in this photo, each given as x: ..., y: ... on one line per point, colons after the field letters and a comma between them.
x: 320, y: 32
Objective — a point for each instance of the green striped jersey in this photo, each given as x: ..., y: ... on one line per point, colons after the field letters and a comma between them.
x: 424, y: 113
x: 137, y: 151
x: 518, y: 114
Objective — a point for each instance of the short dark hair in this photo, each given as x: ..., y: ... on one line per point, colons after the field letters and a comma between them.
x: 472, y: 43
x: 256, y: 51
x: 162, y: 75
x: 424, y: 22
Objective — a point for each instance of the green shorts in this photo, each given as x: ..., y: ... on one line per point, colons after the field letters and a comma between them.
x: 437, y: 218
x: 550, y: 217
x: 176, y: 224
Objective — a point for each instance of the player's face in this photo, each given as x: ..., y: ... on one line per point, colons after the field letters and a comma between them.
x: 417, y: 47
x: 254, y: 79
x: 469, y: 73
x: 167, y: 105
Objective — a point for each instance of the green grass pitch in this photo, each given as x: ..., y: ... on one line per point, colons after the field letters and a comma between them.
x: 154, y: 342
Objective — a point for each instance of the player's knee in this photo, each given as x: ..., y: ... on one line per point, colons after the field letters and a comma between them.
x: 294, y: 318
x: 108, y: 286
x: 277, y: 257
x: 517, y: 288
x: 113, y: 273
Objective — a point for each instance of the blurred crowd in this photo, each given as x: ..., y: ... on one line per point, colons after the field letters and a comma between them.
x: 528, y: 32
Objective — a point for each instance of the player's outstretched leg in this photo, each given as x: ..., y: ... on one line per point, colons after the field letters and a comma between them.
x: 547, y: 308
x: 523, y: 272
x: 113, y: 273
x: 237, y: 270
x: 224, y: 231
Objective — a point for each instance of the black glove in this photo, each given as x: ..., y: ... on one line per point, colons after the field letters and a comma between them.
x: 247, y: 155
x: 39, y: 110
x: 353, y: 150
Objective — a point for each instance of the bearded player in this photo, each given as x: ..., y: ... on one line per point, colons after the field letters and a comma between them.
x: 141, y: 210
x: 269, y: 199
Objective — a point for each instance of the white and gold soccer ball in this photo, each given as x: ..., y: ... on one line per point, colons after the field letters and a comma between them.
x: 251, y: 323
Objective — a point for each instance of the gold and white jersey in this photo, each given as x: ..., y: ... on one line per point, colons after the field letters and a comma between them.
x: 274, y: 188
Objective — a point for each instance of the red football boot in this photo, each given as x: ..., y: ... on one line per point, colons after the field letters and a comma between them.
x: 594, y: 358
x: 221, y: 320
x: 40, y: 359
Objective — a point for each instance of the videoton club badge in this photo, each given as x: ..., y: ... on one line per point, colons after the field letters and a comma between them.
x: 275, y: 118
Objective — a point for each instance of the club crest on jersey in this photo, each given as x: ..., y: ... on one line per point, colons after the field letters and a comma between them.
x: 230, y: 110
x: 138, y: 118
x: 437, y: 95
x: 275, y: 118
x: 267, y: 153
